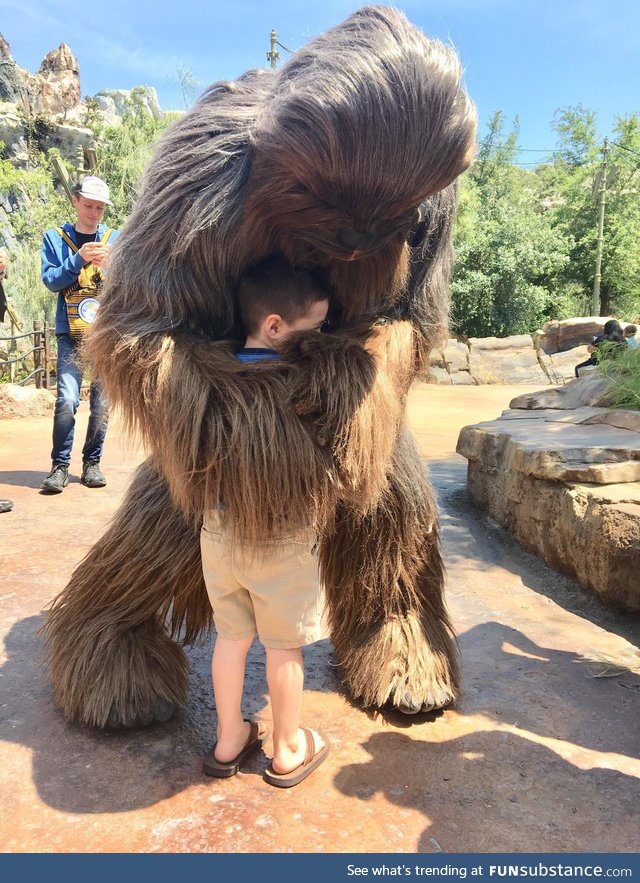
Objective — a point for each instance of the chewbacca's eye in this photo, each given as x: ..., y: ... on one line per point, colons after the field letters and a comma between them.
x: 356, y: 239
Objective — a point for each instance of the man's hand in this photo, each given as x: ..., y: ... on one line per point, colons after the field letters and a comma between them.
x: 4, y: 262
x: 96, y: 253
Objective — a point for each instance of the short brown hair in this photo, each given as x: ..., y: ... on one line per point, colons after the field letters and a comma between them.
x: 273, y: 285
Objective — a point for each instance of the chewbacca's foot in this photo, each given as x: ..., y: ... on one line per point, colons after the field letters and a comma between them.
x: 410, y: 705
x: 399, y: 667
x: 107, y: 678
x: 161, y: 710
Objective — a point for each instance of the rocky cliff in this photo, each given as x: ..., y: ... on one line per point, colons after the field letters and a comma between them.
x: 48, y: 106
x: 54, y: 89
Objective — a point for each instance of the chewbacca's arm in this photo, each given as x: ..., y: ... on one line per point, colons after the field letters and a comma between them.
x: 220, y: 430
x: 353, y: 387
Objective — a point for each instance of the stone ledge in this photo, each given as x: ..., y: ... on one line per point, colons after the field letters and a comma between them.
x: 548, y: 355
x: 555, y: 450
x: 566, y: 484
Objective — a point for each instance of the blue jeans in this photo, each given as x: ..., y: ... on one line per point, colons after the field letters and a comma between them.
x: 64, y: 418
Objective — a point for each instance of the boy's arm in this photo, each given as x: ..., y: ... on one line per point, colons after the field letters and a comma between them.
x: 58, y: 272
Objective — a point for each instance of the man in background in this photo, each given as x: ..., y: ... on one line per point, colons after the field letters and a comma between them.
x: 4, y: 263
x: 5, y: 505
x: 74, y: 258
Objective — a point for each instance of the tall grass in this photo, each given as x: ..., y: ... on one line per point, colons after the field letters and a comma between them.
x: 621, y: 364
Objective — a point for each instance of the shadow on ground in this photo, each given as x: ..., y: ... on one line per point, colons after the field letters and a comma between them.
x: 494, y: 782
x: 82, y: 770
x: 27, y: 478
x: 508, y: 680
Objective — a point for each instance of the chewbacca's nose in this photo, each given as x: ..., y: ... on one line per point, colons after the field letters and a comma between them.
x: 356, y: 239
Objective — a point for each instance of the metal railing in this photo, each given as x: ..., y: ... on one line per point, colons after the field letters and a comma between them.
x: 41, y: 352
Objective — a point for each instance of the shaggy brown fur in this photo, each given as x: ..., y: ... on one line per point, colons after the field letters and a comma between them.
x: 344, y: 161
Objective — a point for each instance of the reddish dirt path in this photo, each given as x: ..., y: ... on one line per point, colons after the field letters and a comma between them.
x: 538, y: 756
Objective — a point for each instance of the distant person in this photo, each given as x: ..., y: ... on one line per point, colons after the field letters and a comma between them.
x: 274, y: 590
x: 630, y: 336
x: 612, y: 333
x: 4, y: 263
x: 74, y: 258
x: 5, y: 505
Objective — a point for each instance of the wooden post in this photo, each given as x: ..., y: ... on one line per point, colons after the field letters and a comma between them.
x: 37, y: 353
x: 47, y: 354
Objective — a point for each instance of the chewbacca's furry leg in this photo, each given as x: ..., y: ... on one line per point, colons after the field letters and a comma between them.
x: 111, y: 661
x: 384, y: 581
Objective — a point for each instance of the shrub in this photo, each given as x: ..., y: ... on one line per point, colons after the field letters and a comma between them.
x: 622, y: 365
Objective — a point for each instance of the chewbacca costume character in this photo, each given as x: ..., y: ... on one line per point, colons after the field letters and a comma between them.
x: 344, y: 161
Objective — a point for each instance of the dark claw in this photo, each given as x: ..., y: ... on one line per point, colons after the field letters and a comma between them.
x: 113, y: 721
x: 161, y: 710
x: 410, y: 705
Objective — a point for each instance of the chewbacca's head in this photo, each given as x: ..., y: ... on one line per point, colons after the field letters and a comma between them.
x: 364, y: 124
x: 325, y: 161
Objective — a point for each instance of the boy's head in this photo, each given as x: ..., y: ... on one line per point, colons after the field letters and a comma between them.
x: 90, y: 196
x: 276, y: 299
x: 630, y: 330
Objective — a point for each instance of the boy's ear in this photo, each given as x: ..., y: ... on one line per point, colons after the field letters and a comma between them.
x: 273, y: 324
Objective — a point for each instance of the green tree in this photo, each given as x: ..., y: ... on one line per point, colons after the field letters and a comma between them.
x: 124, y: 150
x: 39, y: 206
x: 509, y: 256
x: 188, y: 84
x: 570, y: 187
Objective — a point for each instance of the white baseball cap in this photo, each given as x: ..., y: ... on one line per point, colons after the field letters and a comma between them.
x: 93, y: 188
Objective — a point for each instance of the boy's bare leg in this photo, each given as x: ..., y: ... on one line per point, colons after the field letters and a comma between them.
x: 227, y: 674
x: 285, y: 679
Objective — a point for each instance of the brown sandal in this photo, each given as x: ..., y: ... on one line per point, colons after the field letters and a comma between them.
x: 211, y: 766
x: 312, y: 760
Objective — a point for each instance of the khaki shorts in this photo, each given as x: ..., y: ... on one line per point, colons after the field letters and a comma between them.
x: 272, y: 590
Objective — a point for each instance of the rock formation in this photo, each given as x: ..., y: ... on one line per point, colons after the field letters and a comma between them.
x: 50, y: 102
x: 55, y: 89
x: 547, y: 356
x: 561, y: 471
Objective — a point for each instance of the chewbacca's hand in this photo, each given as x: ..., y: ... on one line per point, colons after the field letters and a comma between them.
x: 329, y: 377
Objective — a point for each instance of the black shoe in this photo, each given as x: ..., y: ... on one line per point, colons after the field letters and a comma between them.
x: 91, y: 475
x: 6, y: 505
x: 57, y: 480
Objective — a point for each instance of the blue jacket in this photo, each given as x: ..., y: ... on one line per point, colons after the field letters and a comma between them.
x: 61, y: 267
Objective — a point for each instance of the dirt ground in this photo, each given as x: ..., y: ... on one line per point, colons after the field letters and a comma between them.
x: 540, y: 754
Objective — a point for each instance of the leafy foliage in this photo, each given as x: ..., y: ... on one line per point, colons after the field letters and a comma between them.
x: 622, y: 366
x: 525, y: 239
x: 40, y: 206
x: 569, y: 185
x: 122, y: 152
x: 509, y: 257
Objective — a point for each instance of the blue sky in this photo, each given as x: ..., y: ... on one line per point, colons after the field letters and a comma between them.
x: 523, y: 57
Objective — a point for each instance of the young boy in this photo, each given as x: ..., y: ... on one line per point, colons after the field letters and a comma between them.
x: 273, y: 591
x: 630, y: 336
